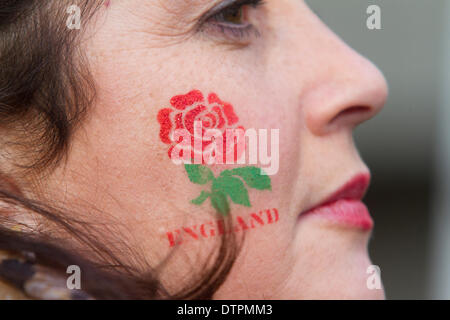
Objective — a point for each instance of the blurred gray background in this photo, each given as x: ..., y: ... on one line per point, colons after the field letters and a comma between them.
x: 407, y: 146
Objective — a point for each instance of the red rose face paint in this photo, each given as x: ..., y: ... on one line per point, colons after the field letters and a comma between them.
x: 212, y: 113
x: 189, y: 110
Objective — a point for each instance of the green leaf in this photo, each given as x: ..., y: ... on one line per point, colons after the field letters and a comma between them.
x: 220, y: 202
x: 201, y: 198
x: 233, y: 187
x: 199, y: 174
x: 253, y: 177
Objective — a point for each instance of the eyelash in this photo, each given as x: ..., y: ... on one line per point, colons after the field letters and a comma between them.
x: 235, y: 31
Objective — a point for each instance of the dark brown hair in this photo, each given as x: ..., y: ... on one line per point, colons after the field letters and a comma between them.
x: 45, y: 91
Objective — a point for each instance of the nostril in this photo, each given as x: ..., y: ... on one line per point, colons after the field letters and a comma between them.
x: 353, y: 114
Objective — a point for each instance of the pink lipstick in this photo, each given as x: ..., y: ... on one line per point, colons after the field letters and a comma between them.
x: 344, y: 207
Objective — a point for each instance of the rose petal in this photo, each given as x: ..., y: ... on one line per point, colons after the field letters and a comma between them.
x: 166, y: 125
x: 189, y: 118
x: 170, y: 151
x: 213, y: 120
x: 227, y: 108
x: 229, y: 114
x: 181, y: 102
x: 213, y: 98
x: 179, y: 120
x: 218, y: 111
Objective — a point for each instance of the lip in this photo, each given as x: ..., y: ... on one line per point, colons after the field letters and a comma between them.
x: 344, y: 207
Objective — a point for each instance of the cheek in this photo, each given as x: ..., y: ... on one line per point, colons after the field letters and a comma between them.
x: 126, y: 153
x: 270, y: 111
x: 118, y: 152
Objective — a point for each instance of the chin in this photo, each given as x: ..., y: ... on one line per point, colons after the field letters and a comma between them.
x: 333, y: 263
x: 350, y: 284
x: 354, y: 278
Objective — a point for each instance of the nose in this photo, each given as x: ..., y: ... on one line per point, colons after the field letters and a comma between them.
x: 347, y: 89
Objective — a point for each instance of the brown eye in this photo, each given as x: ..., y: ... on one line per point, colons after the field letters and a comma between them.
x: 232, y: 20
x: 233, y: 15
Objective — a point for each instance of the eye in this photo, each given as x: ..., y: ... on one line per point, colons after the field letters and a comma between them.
x: 230, y: 19
x: 233, y: 15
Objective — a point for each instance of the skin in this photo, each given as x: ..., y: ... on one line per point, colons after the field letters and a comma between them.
x: 296, y: 75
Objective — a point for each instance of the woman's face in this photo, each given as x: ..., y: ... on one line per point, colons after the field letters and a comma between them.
x: 280, y: 68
